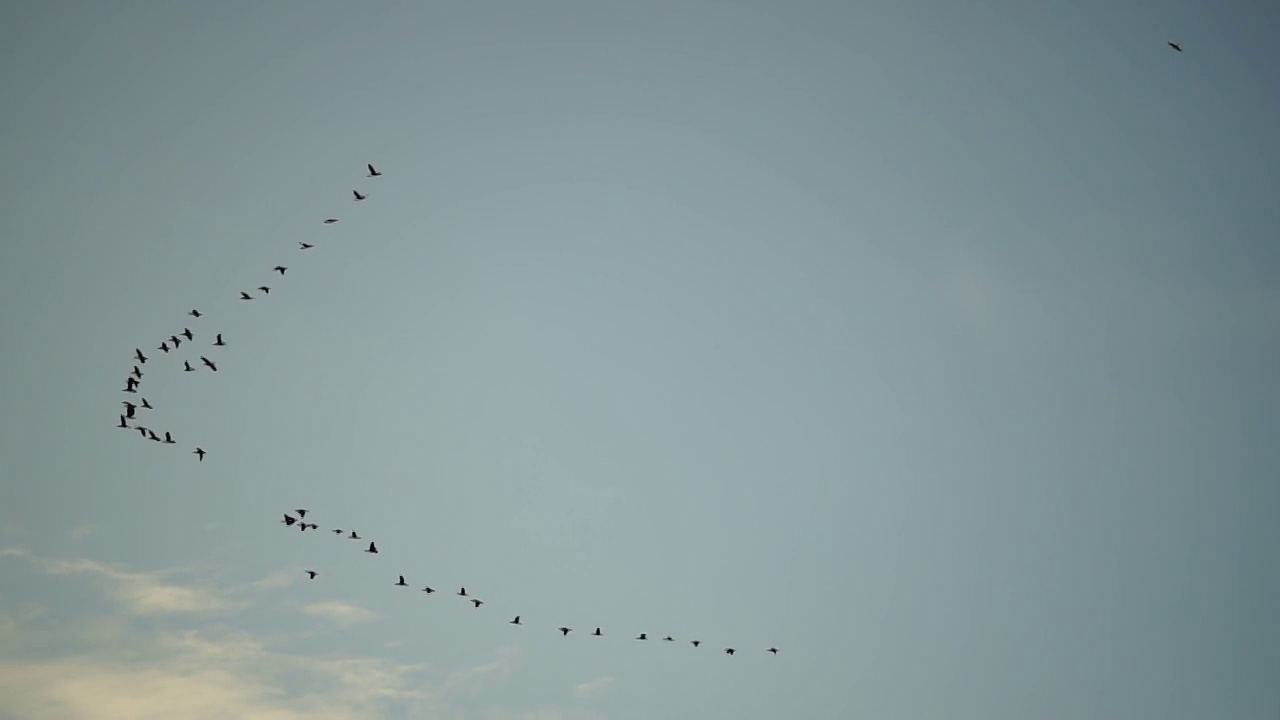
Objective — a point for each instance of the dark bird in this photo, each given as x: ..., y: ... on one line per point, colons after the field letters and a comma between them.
x: 372, y: 172
x: 402, y: 583
x: 280, y: 269
x: 516, y: 621
x: 313, y: 526
x: 136, y: 372
x: 477, y: 602
x: 669, y: 639
x: 245, y: 296
x: 186, y: 332
x: 695, y: 643
x: 643, y: 636
x: 217, y: 341
x: 152, y: 436
x: 146, y: 405
x: 123, y: 424
x: 311, y: 574
x: 354, y: 536
x: 129, y: 409
x: 199, y: 452
x: 195, y: 313
x: 164, y: 348
x: 138, y: 354
x: 186, y: 367
x: 773, y: 650
x: 176, y: 342
x: 359, y: 197
x: 168, y: 439
x: 428, y: 589
x: 330, y: 221
x: 131, y: 382
x: 728, y: 651
x: 130, y: 387
x: 597, y: 633
x: 141, y: 431
x: 1175, y: 46
x: 372, y: 548
x: 307, y: 246
x: 265, y: 290
x: 564, y: 631
x: 462, y: 592
x: 337, y: 531
x: 289, y: 519
x: 208, y: 363
x: 302, y: 512
x: 302, y: 527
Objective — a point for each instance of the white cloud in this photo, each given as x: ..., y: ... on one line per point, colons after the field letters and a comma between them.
x: 84, y: 531
x: 278, y: 579
x: 587, y: 689
x: 143, y: 593
x: 339, y: 612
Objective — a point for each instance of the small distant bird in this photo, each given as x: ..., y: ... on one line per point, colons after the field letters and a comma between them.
x: 130, y: 388
x: 152, y: 436
x: 131, y: 382
x: 289, y: 519
x: 728, y: 651
x: 1175, y: 46
x: 462, y: 592
x: 138, y: 354
x: 136, y: 372
x: 186, y: 332
x: 168, y: 439
x: 372, y: 172
x: 773, y: 650
x: 195, y: 313
x: 245, y: 296
x: 208, y: 363
x: 337, y: 531
x: 313, y: 526
x: 695, y: 643
x: 428, y: 589
x: 280, y: 269
x: 402, y: 583
x: 669, y: 639
x: 307, y: 246
x: 129, y: 409
x: 354, y: 536
x: 372, y: 548
x: 516, y: 621
x: 164, y: 348
x: 217, y: 341
x: 564, y: 631
x: 141, y: 431
x: 330, y: 221
x: 597, y: 633
x: 265, y: 290
x: 176, y: 342
x: 311, y: 574
x: 643, y: 636
x: 199, y: 452
x: 123, y: 424
x: 359, y: 197
x: 146, y: 405
x: 186, y: 367
x: 477, y: 602
x: 302, y: 512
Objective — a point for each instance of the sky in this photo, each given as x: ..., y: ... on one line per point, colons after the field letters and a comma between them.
x: 933, y: 343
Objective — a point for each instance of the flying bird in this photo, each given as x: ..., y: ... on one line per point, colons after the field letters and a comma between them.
x: 477, y: 602
x: 330, y: 221
x: 728, y: 651
x: 372, y: 172
x: 146, y: 405
x: 129, y: 408
x: 643, y: 636
x: 280, y: 269
x: 313, y: 526
x: 307, y: 246
x: 564, y: 631
x: 176, y: 342
x: 164, y: 348
x: 208, y: 363
x: 195, y: 313
x: 123, y: 424
x: 168, y: 439
x: 773, y: 650
x: 354, y: 536
x: 136, y: 372
x: 186, y: 332
x: 462, y: 592
x: 359, y: 197
x: 337, y: 531
x: 669, y: 639
x: 597, y: 633
x: 138, y: 354
x: 372, y: 548
x: 186, y: 367
x: 1175, y: 46
x: 217, y: 341
x: 516, y: 621
x: 289, y: 519
x: 199, y: 452
x: 265, y: 290
x: 311, y: 574
x: 152, y: 436
x: 129, y: 388
x: 695, y: 643
x: 302, y: 512
x: 141, y: 431
x: 402, y: 583
x: 245, y: 296
x: 428, y: 589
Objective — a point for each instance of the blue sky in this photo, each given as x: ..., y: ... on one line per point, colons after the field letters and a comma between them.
x: 932, y: 343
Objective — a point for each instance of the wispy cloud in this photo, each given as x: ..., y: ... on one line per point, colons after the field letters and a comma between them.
x: 84, y: 531
x: 277, y: 579
x: 587, y: 689
x: 338, y: 612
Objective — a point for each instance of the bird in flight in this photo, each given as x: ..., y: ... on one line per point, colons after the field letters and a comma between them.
x: 186, y: 366
x: 728, y: 651
x: 123, y: 424
x: 402, y: 583
x: 669, y: 639
x: 130, y: 385
x: 695, y: 643
x: 597, y: 633
x: 217, y: 341
x: 195, y: 313
x: 359, y: 197
x: 372, y: 172
x: 1175, y: 46
x: 245, y: 296
x: 643, y: 636
x: 516, y: 621
x: 265, y: 290
x: 129, y: 409
x: 146, y: 405
x: 337, y: 531
x: 168, y: 439
x: 176, y: 342
x: 330, y: 221
x: 138, y: 354
x: 306, y: 246
x: 773, y: 650
x: 302, y: 512
x: 477, y: 602
x: 164, y: 348
x: 311, y: 574
x: 289, y: 519
x: 354, y: 536
x: 136, y: 372
x: 372, y: 548
x: 200, y: 453
x: 280, y: 269
x: 564, y: 631
x: 141, y: 431
x: 209, y: 363
x: 462, y: 592
x: 152, y: 436
x: 428, y: 589
x: 186, y: 332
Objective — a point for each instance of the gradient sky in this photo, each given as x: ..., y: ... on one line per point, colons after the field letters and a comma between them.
x: 935, y: 343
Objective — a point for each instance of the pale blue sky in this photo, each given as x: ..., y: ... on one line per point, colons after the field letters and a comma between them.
x: 935, y: 343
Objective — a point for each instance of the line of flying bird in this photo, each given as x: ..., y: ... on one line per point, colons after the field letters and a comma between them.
x: 303, y: 525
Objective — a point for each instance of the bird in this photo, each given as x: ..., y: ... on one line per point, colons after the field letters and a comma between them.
x: 130, y: 388
x: 643, y: 636
x: 195, y: 313
x: 359, y: 197
x: 152, y: 436
x: 302, y: 512
x: 597, y: 633
x: 307, y: 246
x: 265, y: 290
x: 280, y: 269
x: 311, y: 574
x: 669, y: 639
x: 176, y: 342
x: 186, y: 332
x: 372, y: 172
x: 245, y: 296
x: 289, y: 519
x: 428, y: 589
x: 199, y: 452
x: 208, y: 363
x: 516, y: 621
x: 1175, y: 46
x: 462, y: 592
x: 695, y: 643
x: 146, y: 405
x: 773, y: 650
x: 728, y: 651
x: 168, y: 439
x: 330, y: 221
x: 402, y: 583
x: 141, y: 431
x: 136, y: 372
x: 564, y: 631
x: 138, y: 354
x: 313, y: 526
x: 186, y: 366
x: 477, y: 602
x: 337, y: 531
x: 123, y: 424
x: 372, y: 548
x: 129, y: 408
x: 354, y: 536
x: 217, y: 341
x: 164, y: 348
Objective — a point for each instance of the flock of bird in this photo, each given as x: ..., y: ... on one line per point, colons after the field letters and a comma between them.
x: 303, y: 525
x: 174, y: 345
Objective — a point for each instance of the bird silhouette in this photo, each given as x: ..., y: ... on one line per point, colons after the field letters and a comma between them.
x: 136, y: 372
x: 695, y: 643
x: 643, y: 636
x: 564, y: 631
x: 123, y: 424
x: 402, y: 583
x: 208, y: 363
x: 728, y: 651
x: 477, y: 602
x: 307, y: 246
x: 168, y: 439
x: 302, y: 512
x: 199, y: 452
x: 280, y: 269
x: 516, y: 621
x: 265, y: 290
x: 217, y: 341
x: 354, y: 536
x: 372, y: 172
x: 176, y: 342
x: 245, y: 296
x: 289, y: 519
x: 462, y: 592
x: 1175, y: 46
x: 164, y: 348
x: 428, y: 589
x: 311, y: 574
x: 146, y: 405
x: 330, y: 221
x: 337, y: 531
x: 141, y: 358
x: 669, y: 639
x: 141, y: 431
x: 773, y: 650
x: 597, y: 633
x: 129, y: 409
x: 359, y: 197
x: 195, y: 313
x: 372, y: 548
x: 186, y: 332
x: 152, y: 436
x: 186, y: 366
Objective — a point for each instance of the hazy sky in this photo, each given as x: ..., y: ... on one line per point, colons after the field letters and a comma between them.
x: 934, y: 343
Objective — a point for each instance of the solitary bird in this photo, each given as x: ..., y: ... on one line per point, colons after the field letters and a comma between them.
x: 643, y: 636
x: 477, y: 602
x: 311, y: 574
x: 564, y: 631
x: 200, y: 453
x: 669, y: 639
x: 773, y: 650
x: 280, y: 269
x: 462, y: 592
x: 428, y: 589
x: 728, y: 651
x: 265, y: 290
x: 402, y: 583
x: 186, y: 332
x: 146, y: 405
x: 168, y: 439
x: 372, y: 172
x: 195, y: 313
x: 307, y: 246
x: 359, y: 197
x: 372, y: 548
x: 597, y: 633
x: 138, y: 354
x: 1175, y: 46
x: 217, y: 341
x: 695, y: 643
x: 123, y: 424
x: 516, y: 621
x: 337, y: 531
x: 245, y: 296
x: 208, y: 363
x: 186, y: 366
x: 354, y: 536
x: 330, y: 221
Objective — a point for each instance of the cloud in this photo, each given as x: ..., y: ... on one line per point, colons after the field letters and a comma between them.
x: 143, y: 593
x: 339, y: 612
x: 587, y: 689
x: 277, y: 579
x: 84, y: 531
